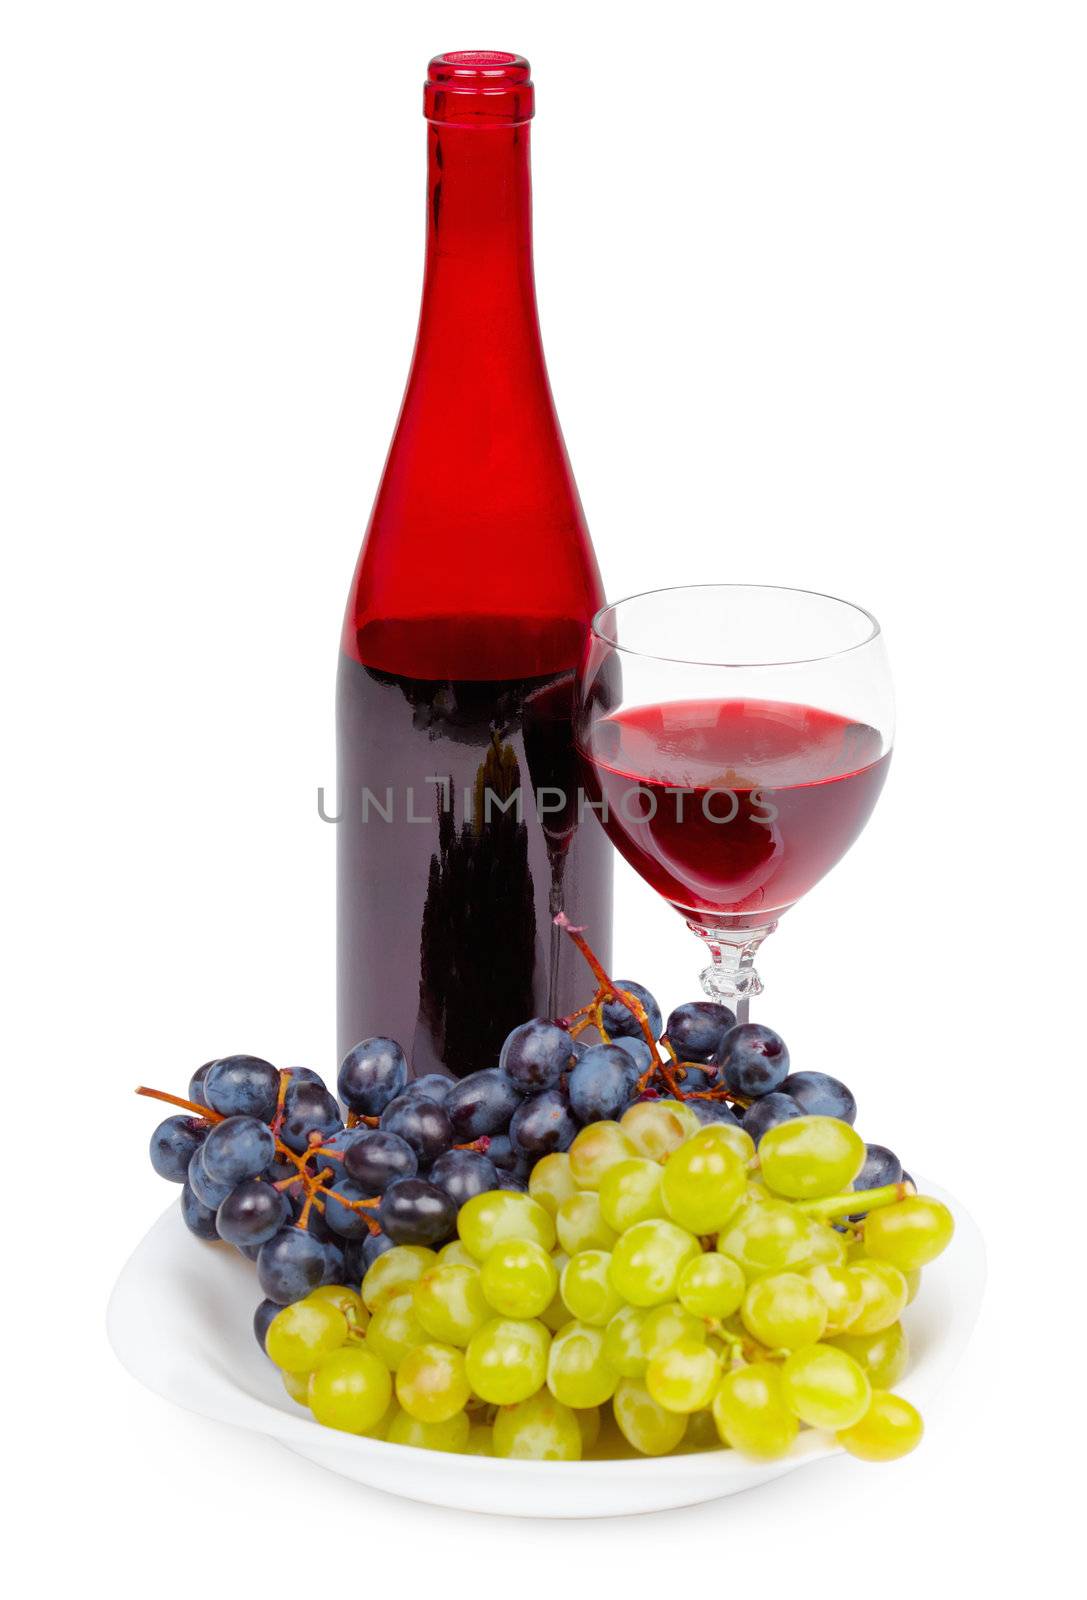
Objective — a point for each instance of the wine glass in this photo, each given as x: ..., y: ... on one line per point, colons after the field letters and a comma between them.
x: 733, y: 741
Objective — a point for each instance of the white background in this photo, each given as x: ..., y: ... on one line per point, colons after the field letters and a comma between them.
x: 812, y: 280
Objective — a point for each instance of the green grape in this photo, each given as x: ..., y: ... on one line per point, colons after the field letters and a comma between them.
x: 751, y: 1414
x: 630, y: 1192
x: 702, y: 1184
x: 825, y: 1244
x: 394, y: 1328
x: 910, y: 1234
x: 701, y: 1430
x: 578, y: 1371
x: 449, y: 1436
x: 488, y: 1219
x: 555, y: 1315
x: 767, y: 1236
x: 825, y: 1387
x: 683, y: 1377
x: 297, y: 1386
x: 913, y: 1284
x: 381, y: 1427
x: 301, y: 1335
x: 449, y: 1302
x: 810, y: 1156
x: 841, y: 1294
x: 883, y: 1355
x: 551, y: 1182
x: 598, y: 1147
x: 480, y: 1442
x: 454, y: 1254
x: 537, y: 1429
x: 431, y: 1384
x: 581, y: 1224
x: 588, y: 1420
x: 586, y: 1291
x: 507, y: 1360
x: 885, y: 1293
x: 395, y: 1271
x: 656, y: 1127
x: 350, y: 1390
x: 732, y: 1137
x: 784, y: 1311
x: 890, y: 1428
x: 518, y: 1278
x: 644, y: 1422
x: 711, y: 1285
x: 667, y: 1325
x: 647, y: 1261
x: 624, y: 1345
x: 346, y: 1300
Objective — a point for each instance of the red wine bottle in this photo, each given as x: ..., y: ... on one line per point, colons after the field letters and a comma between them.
x: 459, y: 832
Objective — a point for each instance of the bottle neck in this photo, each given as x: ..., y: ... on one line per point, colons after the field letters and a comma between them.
x: 479, y: 280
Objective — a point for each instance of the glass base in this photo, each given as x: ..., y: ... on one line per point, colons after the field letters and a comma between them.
x: 731, y: 977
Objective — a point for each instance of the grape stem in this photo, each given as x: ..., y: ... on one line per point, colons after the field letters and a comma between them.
x: 843, y: 1205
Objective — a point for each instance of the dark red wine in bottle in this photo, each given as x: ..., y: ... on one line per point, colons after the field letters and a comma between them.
x: 460, y: 834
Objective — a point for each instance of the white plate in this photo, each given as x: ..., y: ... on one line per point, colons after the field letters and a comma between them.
x: 180, y: 1320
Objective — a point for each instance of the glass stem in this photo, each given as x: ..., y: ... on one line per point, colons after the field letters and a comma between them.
x: 731, y: 977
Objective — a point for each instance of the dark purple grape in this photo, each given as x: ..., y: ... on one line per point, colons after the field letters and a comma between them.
x: 881, y: 1166
x: 753, y: 1060
x: 600, y: 1085
x: 371, y: 1075
x: 240, y: 1147
x: 196, y: 1083
x: 637, y: 1049
x: 714, y: 1111
x: 819, y: 1095
x: 543, y: 1124
x: 173, y: 1145
x: 207, y: 1191
x: 378, y: 1159
x: 262, y: 1317
x: 768, y: 1112
x: 308, y: 1109
x: 242, y: 1086
x: 434, y: 1086
x: 198, y: 1218
x: 619, y: 1019
x: 417, y: 1212
x: 335, y: 1271
x: 291, y: 1264
x: 512, y: 1180
x: 535, y: 1055
x: 508, y: 1157
x: 481, y: 1103
x: 462, y: 1174
x: 252, y: 1213
x: 700, y: 1078
x: 345, y: 1222
x: 421, y: 1123
x: 695, y: 1030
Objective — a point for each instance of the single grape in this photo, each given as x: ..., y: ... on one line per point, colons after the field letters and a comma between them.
x: 297, y: 1386
x: 701, y: 1432
x: 251, y: 1214
x: 910, y: 1234
x: 291, y: 1264
x: 885, y: 1293
x: 535, y: 1055
x: 667, y: 1325
x: 769, y: 1112
x: 379, y: 1158
x: 394, y: 1271
x: 580, y: 1224
x: 647, y: 1260
x: 371, y: 1075
x: 537, y: 1429
x: 825, y: 1387
x: 767, y: 1236
x: 422, y: 1123
x: 450, y: 1304
x: 630, y: 1192
x: 173, y: 1145
x: 341, y: 1215
x: 638, y: 1050
x: 881, y: 1167
x: 462, y: 1174
x: 620, y: 1020
x: 242, y: 1086
x: 431, y: 1383
x: 305, y: 1075
x: 262, y: 1318
x: 511, y: 1182
x: 695, y: 1030
x: 729, y: 1134
x: 684, y: 1377
x: 518, y: 1278
x: 753, y: 1060
x: 308, y: 1108
x: 784, y: 1311
x: 624, y: 1342
x: 841, y: 1293
x: 432, y: 1086
x: 454, y: 1254
x: 363, y: 1253
x: 644, y: 1422
x: 508, y: 1157
x: 543, y: 1123
x: 480, y: 1442
x: 197, y: 1217
x: 195, y: 1090
x: 482, y: 1103
x: 599, y: 1146
x: 586, y: 1290
x: 488, y: 1219
x: 578, y: 1371
x: 890, y: 1428
x: 334, y: 1263
x: 602, y: 1083
x: 507, y: 1360
x: 209, y: 1193
x: 347, y: 1301
x: 413, y: 1211
x: 751, y: 1412
x: 588, y: 1421
x: 446, y: 1437
x: 551, y: 1182
x: 702, y: 1184
x: 303, y: 1334
x: 810, y: 1157
x: 237, y: 1148
x: 711, y: 1285
x: 713, y: 1112
x: 350, y: 1390
x: 884, y: 1356
x: 395, y: 1329
x: 657, y: 1127
x: 913, y: 1284
x: 819, y: 1095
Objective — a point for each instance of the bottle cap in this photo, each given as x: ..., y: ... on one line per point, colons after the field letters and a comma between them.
x: 478, y: 87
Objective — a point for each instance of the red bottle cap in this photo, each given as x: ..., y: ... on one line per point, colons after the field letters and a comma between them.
x: 478, y: 86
